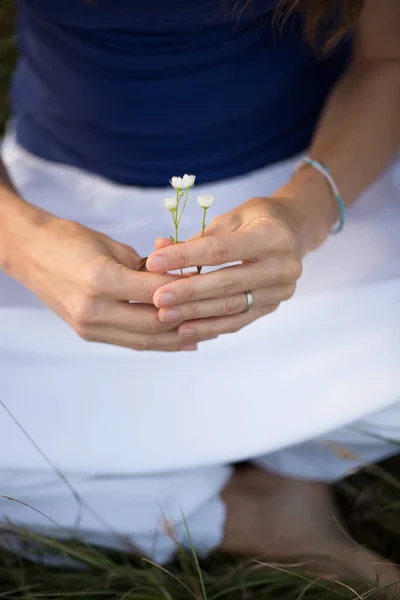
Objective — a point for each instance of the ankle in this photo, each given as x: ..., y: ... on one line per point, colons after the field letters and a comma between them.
x: 244, y: 509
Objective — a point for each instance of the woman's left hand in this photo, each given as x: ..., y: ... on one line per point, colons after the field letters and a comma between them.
x: 262, y: 236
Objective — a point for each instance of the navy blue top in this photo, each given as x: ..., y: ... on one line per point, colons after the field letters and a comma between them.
x: 140, y: 90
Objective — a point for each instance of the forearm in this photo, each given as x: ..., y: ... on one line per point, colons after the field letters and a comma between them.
x: 357, y: 137
x: 5, y: 181
x: 359, y: 132
x: 17, y: 218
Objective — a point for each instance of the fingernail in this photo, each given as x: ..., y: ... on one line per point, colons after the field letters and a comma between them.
x: 187, y: 333
x: 189, y: 348
x: 165, y: 299
x: 156, y: 263
x: 170, y: 315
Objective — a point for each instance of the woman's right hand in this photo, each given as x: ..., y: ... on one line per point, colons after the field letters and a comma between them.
x: 89, y: 279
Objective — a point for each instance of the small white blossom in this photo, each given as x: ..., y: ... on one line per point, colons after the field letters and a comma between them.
x: 188, y: 181
x: 177, y: 183
x: 182, y: 183
x: 205, y: 201
x: 170, y: 204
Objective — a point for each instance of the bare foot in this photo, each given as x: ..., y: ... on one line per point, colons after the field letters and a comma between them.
x: 296, y: 521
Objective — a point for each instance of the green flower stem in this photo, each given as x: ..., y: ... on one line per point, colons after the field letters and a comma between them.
x: 177, y: 220
x: 184, y: 205
x: 176, y: 217
x: 203, y: 226
x: 176, y: 232
x: 203, y: 223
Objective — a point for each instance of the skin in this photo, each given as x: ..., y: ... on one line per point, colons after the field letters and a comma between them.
x: 91, y: 286
x: 272, y: 235
x: 283, y: 520
x: 88, y: 279
x: 279, y: 518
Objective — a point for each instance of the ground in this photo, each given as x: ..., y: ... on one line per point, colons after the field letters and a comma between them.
x: 370, y: 502
x: 7, y: 55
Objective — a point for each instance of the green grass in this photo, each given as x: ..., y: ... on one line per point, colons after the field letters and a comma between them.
x: 7, y: 56
x: 370, y: 502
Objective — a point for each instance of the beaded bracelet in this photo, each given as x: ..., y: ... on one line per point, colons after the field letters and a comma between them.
x: 325, y: 172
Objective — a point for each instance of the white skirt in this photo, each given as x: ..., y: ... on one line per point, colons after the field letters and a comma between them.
x: 142, y: 436
x: 327, y: 357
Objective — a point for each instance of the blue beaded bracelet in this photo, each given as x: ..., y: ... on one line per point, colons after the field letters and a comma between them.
x: 325, y: 172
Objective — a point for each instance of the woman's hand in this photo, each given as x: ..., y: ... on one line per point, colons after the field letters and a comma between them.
x: 88, y: 279
x: 262, y: 235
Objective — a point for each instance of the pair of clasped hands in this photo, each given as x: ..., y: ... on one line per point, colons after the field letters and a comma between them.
x: 92, y: 281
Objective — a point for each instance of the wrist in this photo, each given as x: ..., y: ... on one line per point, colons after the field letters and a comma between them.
x: 309, y: 200
x: 19, y: 224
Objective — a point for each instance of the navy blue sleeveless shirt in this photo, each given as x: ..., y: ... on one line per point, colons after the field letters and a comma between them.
x: 140, y: 90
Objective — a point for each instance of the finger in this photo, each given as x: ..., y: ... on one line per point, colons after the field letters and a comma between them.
x: 113, y: 280
x: 229, y: 221
x: 130, y: 317
x: 161, y: 243
x: 214, y: 327
x: 126, y: 255
x: 248, y: 244
x: 229, y: 281
x: 166, y: 342
x: 222, y: 307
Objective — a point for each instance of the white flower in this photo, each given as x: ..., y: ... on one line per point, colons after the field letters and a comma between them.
x: 177, y: 183
x: 182, y: 183
x: 188, y: 181
x: 170, y: 203
x: 205, y: 201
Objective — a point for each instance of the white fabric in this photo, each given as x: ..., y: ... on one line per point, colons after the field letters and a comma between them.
x: 327, y: 358
x: 121, y: 511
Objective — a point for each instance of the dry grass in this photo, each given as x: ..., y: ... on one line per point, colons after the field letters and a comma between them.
x: 7, y: 56
x: 370, y: 502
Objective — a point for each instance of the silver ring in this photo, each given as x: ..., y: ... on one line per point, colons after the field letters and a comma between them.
x: 250, y: 301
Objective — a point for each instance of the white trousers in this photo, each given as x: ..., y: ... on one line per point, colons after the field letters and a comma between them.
x: 311, y: 391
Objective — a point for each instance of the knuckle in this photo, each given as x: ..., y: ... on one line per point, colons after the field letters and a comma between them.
x: 297, y: 267
x: 228, y: 285
x: 233, y: 305
x: 286, y: 237
x: 190, y: 294
x: 289, y: 292
x: 235, y: 327
x: 262, y: 224
x: 217, y: 221
x: 142, y: 344
x: 85, y: 334
x: 193, y: 312
x: 209, y: 332
x: 83, y: 312
x: 264, y: 228
x: 153, y: 287
x: 283, y: 237
x: 183, y: 254
x: 154, y: 325
x: 218, y: 252
x: 94, y: 276
x: 170, y: 349
x: 290, y: 270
